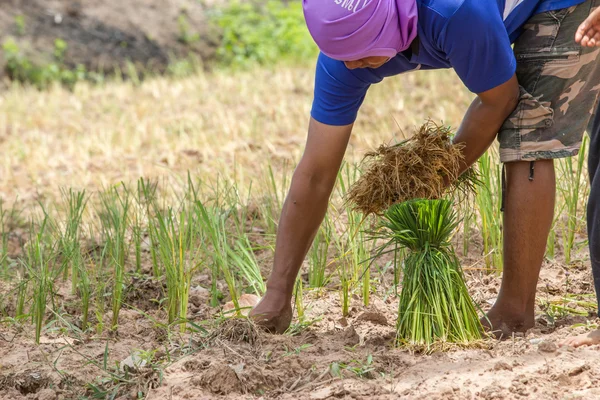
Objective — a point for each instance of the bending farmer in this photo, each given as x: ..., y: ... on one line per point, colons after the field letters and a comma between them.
x: 538, y: 100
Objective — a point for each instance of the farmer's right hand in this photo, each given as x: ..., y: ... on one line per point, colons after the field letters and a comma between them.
x: 273, y: 314
x: 588, y: 33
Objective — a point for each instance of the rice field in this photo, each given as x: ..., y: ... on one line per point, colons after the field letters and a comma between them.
x: 137, y: 220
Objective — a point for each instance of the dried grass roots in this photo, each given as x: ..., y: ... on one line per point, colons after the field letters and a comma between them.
x: 417, y: 168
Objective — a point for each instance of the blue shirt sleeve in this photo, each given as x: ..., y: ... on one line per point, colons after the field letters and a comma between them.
x: 339, y: 92
x: 478, y: 47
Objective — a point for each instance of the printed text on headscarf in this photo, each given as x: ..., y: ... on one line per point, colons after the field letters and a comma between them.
x: 351, y: 5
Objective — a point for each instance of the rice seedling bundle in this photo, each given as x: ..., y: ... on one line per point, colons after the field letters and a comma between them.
x: 435, y: 306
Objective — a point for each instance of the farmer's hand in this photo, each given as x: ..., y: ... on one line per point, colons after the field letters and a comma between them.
x: 302, y: 213
x: 588, y: 33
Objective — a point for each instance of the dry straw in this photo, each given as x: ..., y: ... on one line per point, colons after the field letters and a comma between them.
x: 420, y: 167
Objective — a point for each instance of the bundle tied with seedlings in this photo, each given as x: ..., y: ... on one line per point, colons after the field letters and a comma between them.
x: 425, y: 166
x: 435, y: 306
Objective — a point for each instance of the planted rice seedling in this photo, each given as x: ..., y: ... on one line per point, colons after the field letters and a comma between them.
x: 571, y: 187
x: 298, y: 295
x: 552, y: 236
x: 488, y: 199
x: 85, y: 291
x: 69, y: 236
x: 355, y: 241
x: 272, y: 201
x: 147, y: 200
x: 212, y: 221
x: 38, y: 262
x: 318, y: 255
x: 179, y: 248
x: 434, y: 303
x: 114, y: 217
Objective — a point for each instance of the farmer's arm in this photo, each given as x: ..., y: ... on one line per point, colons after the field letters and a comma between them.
x: 302, y: 213
x: 480, y: 52
x: 484, y: 118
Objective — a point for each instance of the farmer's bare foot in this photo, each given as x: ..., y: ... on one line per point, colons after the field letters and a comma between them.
x: 587, y: 339
x: 273, y: 313
x: 502, y: 322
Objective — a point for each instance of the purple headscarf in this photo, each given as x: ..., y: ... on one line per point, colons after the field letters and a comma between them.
x: 349, y: 30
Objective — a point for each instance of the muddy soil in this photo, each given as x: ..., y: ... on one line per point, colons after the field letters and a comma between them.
x: 104, y: 35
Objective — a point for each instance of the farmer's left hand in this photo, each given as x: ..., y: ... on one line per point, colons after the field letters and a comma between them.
x: 588, y: 33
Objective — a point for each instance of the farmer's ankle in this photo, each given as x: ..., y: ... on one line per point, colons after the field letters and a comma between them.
x: 512, y: 313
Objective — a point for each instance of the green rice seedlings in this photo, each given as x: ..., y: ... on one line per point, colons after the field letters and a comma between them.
x: 571, y: 187
x: 178, y: 249
x: 552, y: 235
x: 146, y: 199
x: 69, y: 236
x: 468, y: 218
x: 317, y: 255
x: 239, y: 250
x: 242, y: 256
x: 114, y: 217
x: 359, y: 254
x: 22, y: 286
x: 488, y: 199
x: 272, y: 201
x: 85, y: 291
x: 298, y: 298
x: 434, y: 303
x: 136, y: 236
x: 98, y: 261
x: 212, y: 222
x: 344, y: 271
x: 354, y: 245
x: 38, y: 263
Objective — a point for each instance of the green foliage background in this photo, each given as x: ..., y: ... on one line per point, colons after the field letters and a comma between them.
x: 262, y: 32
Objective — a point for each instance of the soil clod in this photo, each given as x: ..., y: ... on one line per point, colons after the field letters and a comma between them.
x: 220, y: 379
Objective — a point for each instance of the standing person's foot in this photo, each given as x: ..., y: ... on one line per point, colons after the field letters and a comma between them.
x: 503, y: 323
x: 273, y: 313
x: 586, y: 339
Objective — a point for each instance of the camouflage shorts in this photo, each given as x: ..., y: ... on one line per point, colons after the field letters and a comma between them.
x: 560, y: 87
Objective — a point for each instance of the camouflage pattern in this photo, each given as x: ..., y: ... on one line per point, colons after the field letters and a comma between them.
x: 560, y: 87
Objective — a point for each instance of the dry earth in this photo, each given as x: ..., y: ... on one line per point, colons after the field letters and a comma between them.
x: 330, y: 357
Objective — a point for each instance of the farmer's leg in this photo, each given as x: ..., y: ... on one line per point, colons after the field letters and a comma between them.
x: 593, y: 221
x: 528, y: 214
x: 560, y: 87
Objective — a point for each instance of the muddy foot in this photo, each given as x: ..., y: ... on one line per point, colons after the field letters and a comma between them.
x: 587, y: 339
x: 273, y: 315
x: 502, y: 326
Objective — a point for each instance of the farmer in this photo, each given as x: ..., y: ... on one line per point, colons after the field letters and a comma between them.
x: 589, y: 35
x: 538, y: 100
